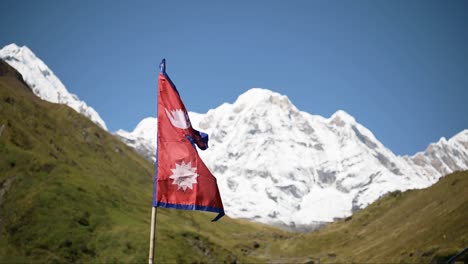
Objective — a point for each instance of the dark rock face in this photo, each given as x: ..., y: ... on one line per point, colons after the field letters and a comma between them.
x: 326, y: 177
x: 364, y: 139
x: 6, y: 70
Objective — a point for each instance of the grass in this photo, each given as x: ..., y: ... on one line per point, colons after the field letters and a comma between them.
x: 71, y: 192
x: 77, y: 194
x: 415, y: 226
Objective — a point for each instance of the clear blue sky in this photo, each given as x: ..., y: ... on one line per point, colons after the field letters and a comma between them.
x: 399, y: 67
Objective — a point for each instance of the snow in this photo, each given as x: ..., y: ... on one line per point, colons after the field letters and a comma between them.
x: 143, y: 138
x: 278, y: 165
x: 274, y: 163
x: 460, y: 137
x: 323, y: 204
x: 43, y: 81
x: 341, y: 116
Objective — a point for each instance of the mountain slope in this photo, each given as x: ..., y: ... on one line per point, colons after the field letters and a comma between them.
x: 442, y: 157
x: 43, y: 81
x: 417, y: 226
x: 71, y: 192
x: 294, y: 162
x: 276, y: 164
x: 142, y: 138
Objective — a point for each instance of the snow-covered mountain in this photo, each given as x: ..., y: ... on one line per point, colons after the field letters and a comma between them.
x: 276, y: 164
x: 43, y: 81
x: 143, y: 137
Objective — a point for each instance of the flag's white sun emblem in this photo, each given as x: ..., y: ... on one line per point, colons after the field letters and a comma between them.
x: 184, y: 175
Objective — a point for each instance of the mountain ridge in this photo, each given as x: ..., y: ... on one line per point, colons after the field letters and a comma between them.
x: 71, y: 192
x: 282, y: 165
x: 348, y: 169
x: 44, y: 83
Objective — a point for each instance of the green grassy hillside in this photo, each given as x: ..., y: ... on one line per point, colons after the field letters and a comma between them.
x: 71, y: 192
x: 416, y: 226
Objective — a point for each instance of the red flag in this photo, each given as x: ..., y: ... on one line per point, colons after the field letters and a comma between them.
x: 182, y: 179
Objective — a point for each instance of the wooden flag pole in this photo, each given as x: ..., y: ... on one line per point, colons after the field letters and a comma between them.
x: 153, y: 235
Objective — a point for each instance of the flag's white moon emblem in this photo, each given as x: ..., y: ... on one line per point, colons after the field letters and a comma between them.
x: 184, y: 175
x: 178, y: 118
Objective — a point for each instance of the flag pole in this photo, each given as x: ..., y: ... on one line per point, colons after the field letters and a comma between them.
x: 153, y: 235
x: 154, y: 210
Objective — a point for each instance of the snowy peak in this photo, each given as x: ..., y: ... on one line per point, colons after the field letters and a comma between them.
x: 256, y: 95
x: 461, y: 138
x: 278, y: 165
x: 340, y: 118
x: 444, y: 156
x: 292, y: 160
x: 44, y: 83
x: 262, y: 98
x: 13, y: 52
x: 143, y: 138
x: 146, y: 127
